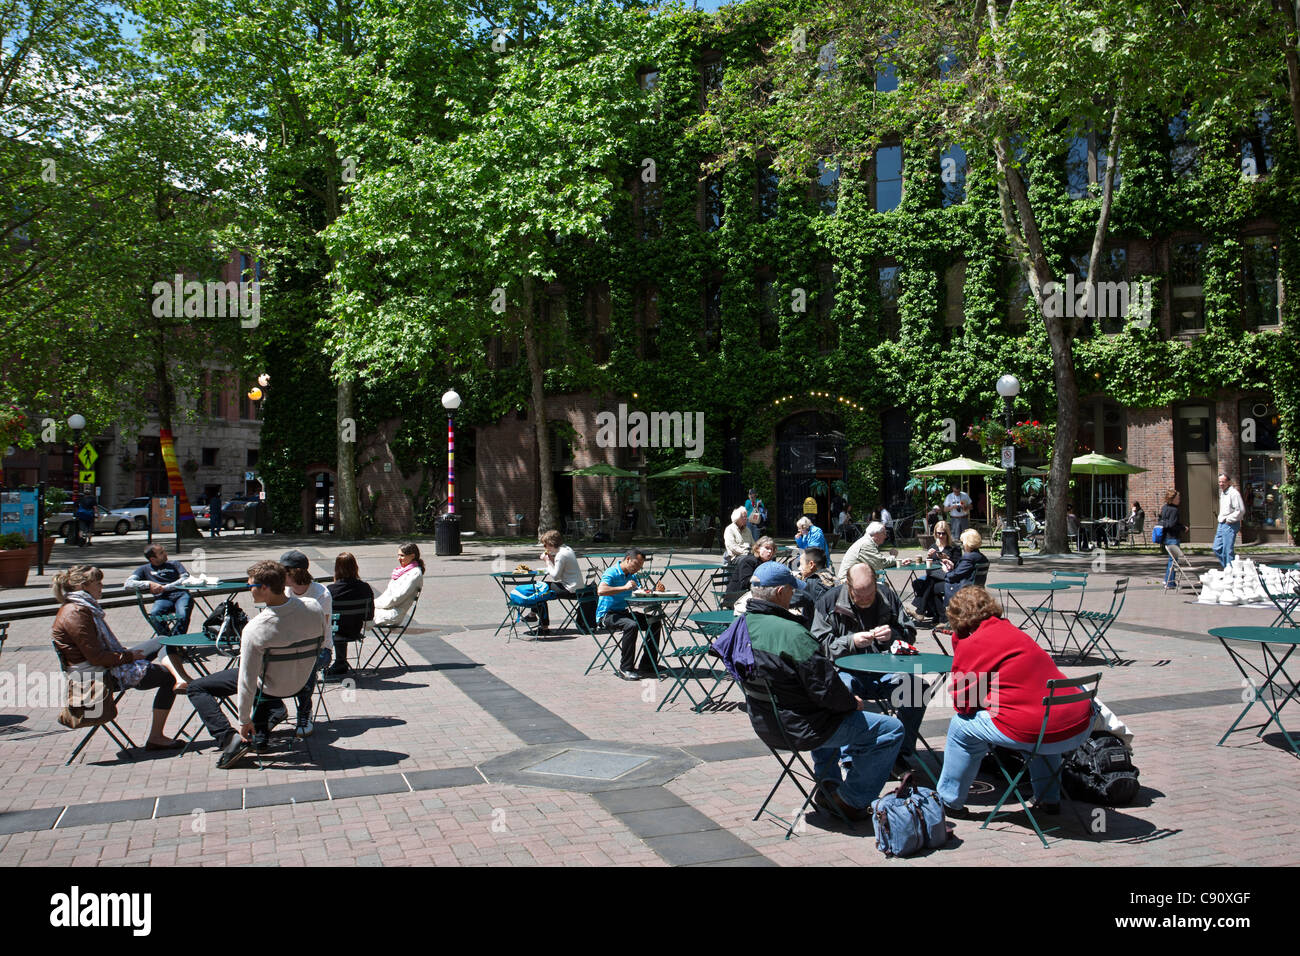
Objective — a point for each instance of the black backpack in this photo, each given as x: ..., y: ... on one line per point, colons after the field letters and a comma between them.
x: 225, y: 625
x: 1100, y: 771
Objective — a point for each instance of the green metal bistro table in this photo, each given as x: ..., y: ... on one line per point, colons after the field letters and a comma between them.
x: 1031, y: 616
x: 693, y: 580
x: 909, y: 665
x: 913, y: 570
x: 1270, y: 641
x: 206, y: 592
x: 600, y: 560
x: 656, y: 608
x: 708, y: 625
x: 192, y: 648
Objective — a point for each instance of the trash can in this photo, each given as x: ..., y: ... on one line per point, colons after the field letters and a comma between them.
x: 446, y: 535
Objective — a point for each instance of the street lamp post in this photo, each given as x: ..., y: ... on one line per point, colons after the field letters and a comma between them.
x: 447, y: 538
x: 1009, y: 387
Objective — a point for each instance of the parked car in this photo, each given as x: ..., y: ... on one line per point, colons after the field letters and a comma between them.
x: 137, y: 510
x: 65, y: 522
x: 232, y: 512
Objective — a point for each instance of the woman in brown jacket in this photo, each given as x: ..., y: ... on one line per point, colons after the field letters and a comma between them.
x: 87, y: 644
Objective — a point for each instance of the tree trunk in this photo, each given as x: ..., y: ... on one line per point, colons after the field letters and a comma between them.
x: 548, y: 511
x: 1290, y: 14
x: 345, y: 492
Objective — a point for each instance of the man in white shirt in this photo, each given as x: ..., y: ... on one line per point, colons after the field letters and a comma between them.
x: 737, y: 540
x: 284, y: 620
x: 1231, y: 510
x: 957, y: 505
x: 315, y: 595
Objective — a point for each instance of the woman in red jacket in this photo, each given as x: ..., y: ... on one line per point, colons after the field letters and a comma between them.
x: 1000, y: 678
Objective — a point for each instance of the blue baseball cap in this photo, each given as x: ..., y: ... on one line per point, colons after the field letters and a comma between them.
x: 774, y: 574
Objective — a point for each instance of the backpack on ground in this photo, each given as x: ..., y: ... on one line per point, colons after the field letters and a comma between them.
x: 226, y: 625
x: 908, y: 820
x: 1100, y: 771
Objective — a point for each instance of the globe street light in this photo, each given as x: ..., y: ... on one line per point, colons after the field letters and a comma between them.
x: 1009, y: 387
x: 448, y: 537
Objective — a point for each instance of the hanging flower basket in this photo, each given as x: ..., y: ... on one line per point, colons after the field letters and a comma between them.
x: 13, y: 427
x: 1033, y: 436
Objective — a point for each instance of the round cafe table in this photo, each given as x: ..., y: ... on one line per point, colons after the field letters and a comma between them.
x: 1040, y: 612
x: 1271, y: 642
x: 693, y: 580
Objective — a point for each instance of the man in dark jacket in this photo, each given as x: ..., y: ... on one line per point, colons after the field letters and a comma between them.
x: 862, y: 616
x: 813, y: 706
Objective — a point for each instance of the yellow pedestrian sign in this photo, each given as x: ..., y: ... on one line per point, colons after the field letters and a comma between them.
x: 86, y: 478
x: 88, y: 456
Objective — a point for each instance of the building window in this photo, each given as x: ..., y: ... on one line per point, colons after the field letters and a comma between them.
x: 1110, y: 309
x: 1262, y: 282
x: 649, y: 208
x: 1182, y: 149
x: 954, y: 313
x: 215, y: 389
x: 765, y: 192
x: 888, y: 277
x: 1257, y: 146
x: 953, y: 166
x: 712, y: 315
x: 828, y: 332
x: 710, y: 77
x: 711, y: 206
x: 1019, y: 295
x: 768, y: 323
x: 209, y: 458
x: 1085, y: 165
x: 251, y: 458
x: 827, y: 188
x: 554, y: 316
x: 596, y: 313
x: 889, y: 178
x: 827, y: 65
x: 886, y: 77
x: 1187, y: 292
x: 647, y: 78
x: 1261, y: 464
x: 648, y: 321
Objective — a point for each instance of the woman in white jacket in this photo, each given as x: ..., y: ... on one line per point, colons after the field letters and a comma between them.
x: 407, y: 579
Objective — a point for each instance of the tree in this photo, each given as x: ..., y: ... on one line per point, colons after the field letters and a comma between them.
x: 481, y: 218
x: 1010, y: 81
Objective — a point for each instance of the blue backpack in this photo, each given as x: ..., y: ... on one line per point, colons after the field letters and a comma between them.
x: 1158, y: 534
x: 908, y: 820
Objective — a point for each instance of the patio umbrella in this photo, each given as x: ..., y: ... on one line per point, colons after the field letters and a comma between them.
x: 602, y: 470
x: 691, y: 472
x: 1094, y: 464
x: 958, y: 466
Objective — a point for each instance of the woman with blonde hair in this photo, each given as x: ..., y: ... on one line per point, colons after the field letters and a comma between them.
x: 88, y: 646
x: 928, y: 599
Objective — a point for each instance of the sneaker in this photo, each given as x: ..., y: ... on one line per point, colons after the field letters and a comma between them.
x: 629, y: 675
x: 1051, y: 809
x: 850, y: 813
x: 304, y: 729
x: 529, y: 616
x: 958, y: 813
x: 234, y: 751
x: 260, y: 743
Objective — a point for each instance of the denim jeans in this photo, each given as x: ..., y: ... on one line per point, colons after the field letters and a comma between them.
x: 872, y: 740
x: 173, y: 602
x: 970, y: 738
x: 304, y: 695
x: 1224, y: 538
x: 883, y: 687
x: 1169, y: 568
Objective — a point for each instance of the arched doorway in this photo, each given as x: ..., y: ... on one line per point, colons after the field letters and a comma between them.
x: 318, y: 507
x: 810, y: 446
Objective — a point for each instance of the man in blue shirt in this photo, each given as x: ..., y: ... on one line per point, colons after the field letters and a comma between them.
x: 160, y: 577
x: 618, y: 581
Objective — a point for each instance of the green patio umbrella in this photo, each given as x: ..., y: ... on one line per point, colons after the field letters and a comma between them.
x: 602, y: 470
x: 958, y: 466
x: 692, y: 473
x: 1094, y: 464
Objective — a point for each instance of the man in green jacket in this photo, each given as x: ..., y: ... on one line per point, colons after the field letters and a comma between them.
x: 813, y: 707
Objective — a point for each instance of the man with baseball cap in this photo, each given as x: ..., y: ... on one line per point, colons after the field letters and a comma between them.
x: 816, y: 709
x: 317, y: 597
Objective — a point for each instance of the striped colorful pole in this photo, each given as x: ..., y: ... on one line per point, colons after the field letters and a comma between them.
x: 175, y: 483
x: 451, y: 467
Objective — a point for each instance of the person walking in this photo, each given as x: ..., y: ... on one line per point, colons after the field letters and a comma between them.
x: 214, y: 513
x: 1231, y: 510
x: 1171, y: 521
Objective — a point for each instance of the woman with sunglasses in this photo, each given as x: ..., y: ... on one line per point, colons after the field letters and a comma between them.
x: 928, y: 599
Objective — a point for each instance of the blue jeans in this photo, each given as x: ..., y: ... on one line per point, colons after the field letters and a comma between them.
x: 885, y: 686
x: 872, y: 740
x: 304, y: 695
x: 173, y: 602
x: 970, y: 738
x: 1169, y: 567
x: 1224, y: 538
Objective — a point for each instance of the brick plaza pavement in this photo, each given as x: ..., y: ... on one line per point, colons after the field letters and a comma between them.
x: 424, y: 766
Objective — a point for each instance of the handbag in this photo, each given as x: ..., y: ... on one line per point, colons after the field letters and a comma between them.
x: 908, y: 820
x: 530, y: 595
x: 90, y: 700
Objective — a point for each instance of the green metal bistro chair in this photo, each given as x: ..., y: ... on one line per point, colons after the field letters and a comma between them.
x: 354, y: 608
x: 387, y: 636
x: 684, y: 666
x: 758, y: 693
x: 1068, y: 615
x: 166, y: 625
x: 111, y: 727
x: 514, y: 616
x: 1286, y: 602
x: 1082, y: 691
x: 573, y: 607
x: 299, y: 650
x: 1093, y: 626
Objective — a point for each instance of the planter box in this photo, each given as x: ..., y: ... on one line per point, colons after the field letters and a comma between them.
x: 14, y: 566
